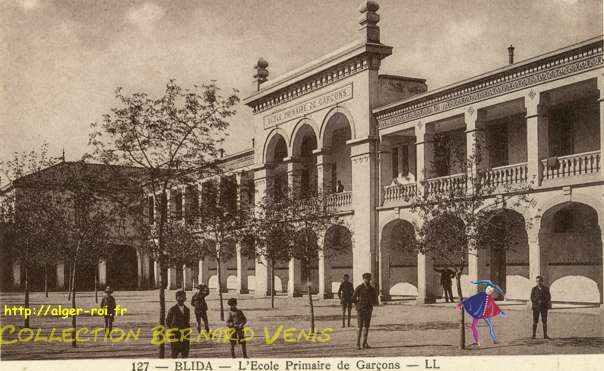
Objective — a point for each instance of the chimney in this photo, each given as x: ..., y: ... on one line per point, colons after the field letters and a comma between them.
x: 511, y: 54
x: 261, y: 72
x: 369, y: 30
x: 221, y: 152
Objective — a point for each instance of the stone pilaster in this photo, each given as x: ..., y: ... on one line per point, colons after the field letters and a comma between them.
x: 426, y: 283
x: 156, y: 274
x: 294, y: 174
x: 242, y: 268
x: 262, y: 266
x: 17, y: 276
x: 202, y: 272
x: 424, y: 149
x: 102, y: 269
x: 537, y: 261
x: 325, y: 291
x: 172, y: 280
x: 294, y: 282
x: 476, y: 149
x: 187, y: 277
x: 324, y: 171
x: 365, y: 199
x: 601, y: 104
x: 536, y: 134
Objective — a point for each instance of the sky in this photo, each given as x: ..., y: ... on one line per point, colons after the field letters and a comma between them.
x: 61, y: 60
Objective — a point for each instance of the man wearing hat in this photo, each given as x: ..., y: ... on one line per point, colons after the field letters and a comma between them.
x: 108, y: 303
x: 198, y: 301
x: 541, y: 300
x: 482, y: 306
x: 364, y: 297
x: 179, y: 317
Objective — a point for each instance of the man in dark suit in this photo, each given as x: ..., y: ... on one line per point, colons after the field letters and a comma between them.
x: 365, y: 297
x: 446, y: 276
x: 345, y: 294
x: 542, y: 302
x: 179, y: 317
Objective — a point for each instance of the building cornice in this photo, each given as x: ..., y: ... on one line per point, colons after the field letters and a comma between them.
x: 322, y: 72
x: 574, y: 59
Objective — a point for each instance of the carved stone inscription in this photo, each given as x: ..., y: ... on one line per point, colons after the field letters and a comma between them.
x: 314, y: 104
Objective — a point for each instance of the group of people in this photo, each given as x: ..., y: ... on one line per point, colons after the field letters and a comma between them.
x: 364, y: 297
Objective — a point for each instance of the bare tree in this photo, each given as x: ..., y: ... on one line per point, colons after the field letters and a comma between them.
x: 33, y: 222
x: 455, y: 221
x: 291, y: 229
x: 174, y: 138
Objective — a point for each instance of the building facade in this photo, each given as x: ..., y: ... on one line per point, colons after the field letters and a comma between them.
x: 340, y: 127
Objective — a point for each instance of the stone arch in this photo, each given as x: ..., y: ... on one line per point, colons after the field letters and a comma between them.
x: 570, y: 240
x: 336, y: 259
x: 303, y: 127
x: 398, y: 259
x: 337, y: 130
x: 503, y: 248
x: 303, y: 146
x: 328, y: 116
x: 271, y: 143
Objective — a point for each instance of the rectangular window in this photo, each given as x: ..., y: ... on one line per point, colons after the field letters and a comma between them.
x: 177, y: 200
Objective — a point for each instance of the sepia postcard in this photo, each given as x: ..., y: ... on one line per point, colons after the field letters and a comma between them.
x: 293, y: 185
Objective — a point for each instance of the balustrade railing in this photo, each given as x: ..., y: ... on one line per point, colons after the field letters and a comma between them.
x: 338, y: 200
x: 399, y: 192
x: 576, y: 164
x: 445, y: 184
x: 509, y: 174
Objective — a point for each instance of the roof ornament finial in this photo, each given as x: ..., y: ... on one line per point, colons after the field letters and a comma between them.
x: 370, y: 31
x: 261, y: 72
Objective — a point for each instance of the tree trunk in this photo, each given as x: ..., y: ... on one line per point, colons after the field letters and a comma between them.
x: 73, y: 304
x: 46, y: 280
x: 69, y: 285
x: 312, y: 308
x: 162, y: 306
x: 26, y: 322
x: 462, y: 333
x: 219, y: 265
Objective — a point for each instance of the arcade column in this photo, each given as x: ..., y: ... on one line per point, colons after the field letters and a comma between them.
x: 363, y: 156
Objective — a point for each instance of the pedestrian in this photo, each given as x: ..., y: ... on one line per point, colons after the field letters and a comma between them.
x: 446, y: 280
x: 542, y: 302
x: 179, y: 317
x: 345, y: 294
x: 364, y: 297
x: 108, y: 303
x: 236, y: 322
x: 198, y: 301
x: 482, y: 306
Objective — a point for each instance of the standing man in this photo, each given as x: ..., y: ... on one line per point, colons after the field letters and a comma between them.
x: 446, y: 280
x: 179, y: 317
x: 340, y: 187
x: 542, y: 302
x: 108, y: 303
x: 365, y: 297
x: 198, y: 301
x: 345, y: 294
